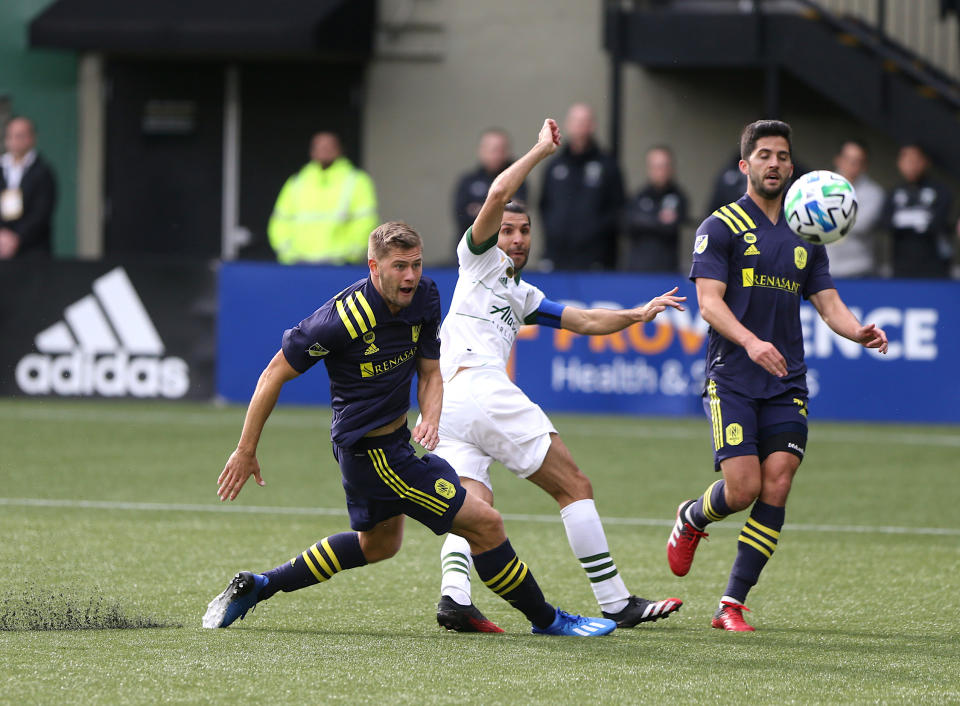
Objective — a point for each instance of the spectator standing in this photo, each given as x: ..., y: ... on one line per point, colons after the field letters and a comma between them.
x: 654, y: 217
x: 494, y: 154
x: 581, y: 199
x: 326, y: 211
x: 855, y: 254
x: 28, y: 194
x: 917, y: 214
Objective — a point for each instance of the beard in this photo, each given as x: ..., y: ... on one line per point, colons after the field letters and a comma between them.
x: 757, y: 182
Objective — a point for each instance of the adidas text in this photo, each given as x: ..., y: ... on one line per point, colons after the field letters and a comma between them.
x: 106, y: 375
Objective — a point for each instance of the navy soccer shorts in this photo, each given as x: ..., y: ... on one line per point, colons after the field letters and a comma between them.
x: 747, y: 426
x: 383, y: 478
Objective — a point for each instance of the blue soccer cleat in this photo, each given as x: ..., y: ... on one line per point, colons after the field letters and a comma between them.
x: 576, y: 626
x: 241, y: 595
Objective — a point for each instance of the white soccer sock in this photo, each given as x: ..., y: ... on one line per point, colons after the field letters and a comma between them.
x: 455, y: 562
x: 589, y: 545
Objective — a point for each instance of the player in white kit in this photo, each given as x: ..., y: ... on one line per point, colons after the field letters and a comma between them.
x: 487, y: 418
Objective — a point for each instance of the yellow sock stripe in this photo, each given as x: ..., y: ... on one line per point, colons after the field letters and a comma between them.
x: 313, y: 569
x: 743, y: 214
x: 412, y: 492
x: 333, y: 557
x: 356, y: 313
x: 346, y: 319
x: 762, y: 550
x: 366, y: 307
x: 715, y: 415
x: 321, y: 561
x: 763, y: 528
x: 506, y: 568
x: 766, y: 541
x: 499, y: 588
x: 725, y: 220
x: 517, y: 582
x: 730, y: 214
x: 395, y: 483
x: 708, y: 507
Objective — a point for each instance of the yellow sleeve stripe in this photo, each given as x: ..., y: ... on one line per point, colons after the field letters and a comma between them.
x: 744, y: 215
x: 512, y: 565
x: 313, y: 569
x: 346, y: 320
x: 760, y: 538
x: 366, y: 307
x: 333, y: 557
x: 725, y: 220
x: 351, y: 302
x: 730, y: 214
x: 397, y: 484
x: 762, y: 550
x: 517, y: 582
x: 715, y: 415
x: 324, y: 566
x: 763, y: 528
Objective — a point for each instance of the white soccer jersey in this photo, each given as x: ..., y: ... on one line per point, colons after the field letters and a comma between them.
x: 489, y: 305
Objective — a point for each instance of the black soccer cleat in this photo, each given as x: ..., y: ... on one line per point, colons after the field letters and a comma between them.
x: 462, y: 618
x: 640, y: 610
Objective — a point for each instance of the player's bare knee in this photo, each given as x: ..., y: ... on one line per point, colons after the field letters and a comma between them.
x: 740, y: 496
x: 380, y: 548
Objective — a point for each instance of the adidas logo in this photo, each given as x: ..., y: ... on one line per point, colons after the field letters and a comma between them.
x: 371, y: 349
x: 752, y: 250
x: 106, y: 345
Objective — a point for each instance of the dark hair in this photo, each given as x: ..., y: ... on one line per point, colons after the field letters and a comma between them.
x: 912, y: 145
x: 763, y: 128
x: 660, y: 148
x: 517, y: 206
x: 862, y: 144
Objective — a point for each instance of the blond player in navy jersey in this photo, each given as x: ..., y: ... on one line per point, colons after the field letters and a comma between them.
x: 486, y: 417
x: 751, y: 271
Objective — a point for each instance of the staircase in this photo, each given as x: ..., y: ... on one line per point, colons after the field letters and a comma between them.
x: 849, y: 61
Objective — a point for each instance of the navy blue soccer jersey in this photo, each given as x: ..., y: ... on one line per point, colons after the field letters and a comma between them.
x: 370, y: 354
x: 767, y: 269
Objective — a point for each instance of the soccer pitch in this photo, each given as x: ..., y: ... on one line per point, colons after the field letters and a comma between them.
x: 109, y: 513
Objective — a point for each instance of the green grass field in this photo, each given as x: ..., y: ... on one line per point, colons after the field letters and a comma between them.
x: 109, y: 511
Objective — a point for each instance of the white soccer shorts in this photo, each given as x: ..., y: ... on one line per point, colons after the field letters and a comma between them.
x: 487, y: 418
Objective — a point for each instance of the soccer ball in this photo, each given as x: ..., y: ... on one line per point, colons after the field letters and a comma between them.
x: 821, y: 207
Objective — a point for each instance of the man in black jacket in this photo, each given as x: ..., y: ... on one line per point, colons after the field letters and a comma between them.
x: 28, y: 193
x: 581, y: 199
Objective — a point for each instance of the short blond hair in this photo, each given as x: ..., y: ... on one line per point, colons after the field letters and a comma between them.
x: 392, y: 235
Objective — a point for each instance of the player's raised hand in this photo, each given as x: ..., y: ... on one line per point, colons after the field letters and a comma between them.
x: 870, y: 336
x: 240, y: 466
x: 549, y: 135
x: 766, y: 355
x: 649, y: 311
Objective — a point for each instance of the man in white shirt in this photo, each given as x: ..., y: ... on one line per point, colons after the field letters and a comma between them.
x: 854, y: 255
x: 487, y: 418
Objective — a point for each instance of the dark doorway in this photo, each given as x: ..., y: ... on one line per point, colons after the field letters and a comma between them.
x: 164, y: 158
x: 282, y: 106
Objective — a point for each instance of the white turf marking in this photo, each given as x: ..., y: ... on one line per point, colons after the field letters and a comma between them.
x: 510, y: 517
x: 307, y: 418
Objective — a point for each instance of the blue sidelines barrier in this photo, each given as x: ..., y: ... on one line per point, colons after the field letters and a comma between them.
x: 655, y: 369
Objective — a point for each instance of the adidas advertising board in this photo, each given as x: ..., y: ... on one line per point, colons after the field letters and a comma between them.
x: 96, y: 330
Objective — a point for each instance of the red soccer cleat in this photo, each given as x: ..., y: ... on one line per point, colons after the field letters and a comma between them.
x: 683, y: 542
x: 729, y: 616
x: 462, y: 618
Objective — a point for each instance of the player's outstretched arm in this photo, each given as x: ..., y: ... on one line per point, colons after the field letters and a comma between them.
x: 715, y: 312
x: 487, y: 223
x: 243, y: 461
x: 597, y: 322
x: 430, y: 399
x: 842, y: 321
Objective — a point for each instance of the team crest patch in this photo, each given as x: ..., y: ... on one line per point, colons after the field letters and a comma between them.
x: 415, y: 332
x: 317, y: 351
x: 510, y: 272
x: 734, y: 434
x: 700, y: 244
x: 749, y: 238
x: 800, y: 257
x: 444, y: 488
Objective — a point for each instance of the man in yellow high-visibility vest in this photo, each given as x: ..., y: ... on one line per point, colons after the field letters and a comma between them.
x: 326, y: 211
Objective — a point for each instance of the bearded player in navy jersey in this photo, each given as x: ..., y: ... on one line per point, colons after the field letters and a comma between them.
x: 750, y: 271
x: 373, y: 336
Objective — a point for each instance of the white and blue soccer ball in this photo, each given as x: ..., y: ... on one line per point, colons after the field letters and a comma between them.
x: 821, y: 207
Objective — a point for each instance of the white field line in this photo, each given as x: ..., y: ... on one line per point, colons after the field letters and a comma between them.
x: 510, y: 517
x: 642, y: 428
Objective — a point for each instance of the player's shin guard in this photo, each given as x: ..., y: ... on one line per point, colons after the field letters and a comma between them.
x: 709, y: 507
x: 502, y: 572
x: 589, y: 545
x: 317, y: 563
x: 455, y: 563
x: 756, y: 544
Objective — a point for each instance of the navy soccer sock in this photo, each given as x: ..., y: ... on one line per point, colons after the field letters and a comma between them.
x: 502, y: 572
x: 757, y: 542
x: 709, y: 507
x: 317, y: 563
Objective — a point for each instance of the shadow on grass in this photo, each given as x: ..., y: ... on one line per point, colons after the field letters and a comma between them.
x: 39, y: 609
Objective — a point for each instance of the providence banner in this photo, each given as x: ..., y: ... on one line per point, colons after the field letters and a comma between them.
x: 81, y: 329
